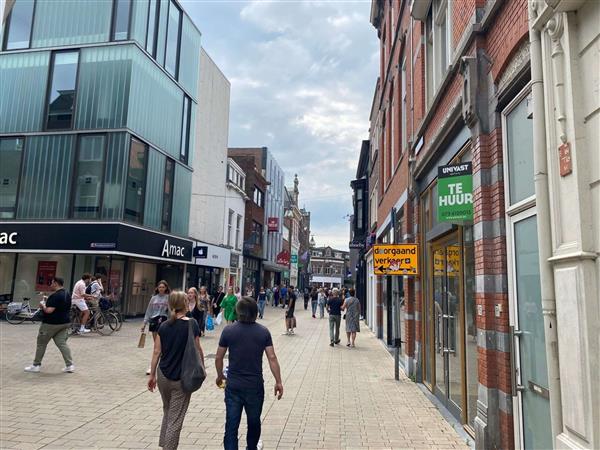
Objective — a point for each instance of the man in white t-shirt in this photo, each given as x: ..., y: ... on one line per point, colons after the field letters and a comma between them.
x: 78, y: 298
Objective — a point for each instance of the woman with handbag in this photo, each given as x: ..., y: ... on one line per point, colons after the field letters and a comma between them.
x: 177, y: 342
x: 157, y: 311
x: 204, y: 304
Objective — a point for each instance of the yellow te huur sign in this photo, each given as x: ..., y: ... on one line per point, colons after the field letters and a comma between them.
x: 396, y: 259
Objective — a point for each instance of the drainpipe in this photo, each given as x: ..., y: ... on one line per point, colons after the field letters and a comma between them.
x: 540, y: 163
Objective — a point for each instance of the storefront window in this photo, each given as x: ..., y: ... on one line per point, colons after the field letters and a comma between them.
x: 470, y: 325
x: 7, y: 264
x: 519, y: 141
x: 89, y: 176
x: 136, y: 182
x: 11, y: 151
x: 35, y: 271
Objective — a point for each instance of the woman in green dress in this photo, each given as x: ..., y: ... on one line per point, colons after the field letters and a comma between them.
x: 228, y: 306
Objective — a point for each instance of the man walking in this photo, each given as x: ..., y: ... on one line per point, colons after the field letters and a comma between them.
x: 55, y: 323
x: 246, y: 341
x: 334, y: 308
x: 284, y: 292
x: 79, y: 298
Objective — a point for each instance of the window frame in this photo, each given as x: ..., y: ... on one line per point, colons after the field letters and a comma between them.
x: 186, y: 119
x: 178, y: 44
x: 238, y: 232
x: 146, y: 151
x: 229, y: 226
x: 114, y: 22
x: 73, y: 192
x: 6, y: 30
x: 154, y: 36
x: 260, y: 194
x: 20, y: 176
x: 162, y: 213
x: 50, y: 79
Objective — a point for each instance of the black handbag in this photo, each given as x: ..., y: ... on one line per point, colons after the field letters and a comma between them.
x: 193, y: 372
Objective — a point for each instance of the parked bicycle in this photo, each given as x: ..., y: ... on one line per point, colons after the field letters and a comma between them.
x: 101, y: 320
x: 19, y: 312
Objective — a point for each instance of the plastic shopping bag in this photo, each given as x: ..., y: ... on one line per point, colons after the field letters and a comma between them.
x: 210, y: 326
x: 219, y: 318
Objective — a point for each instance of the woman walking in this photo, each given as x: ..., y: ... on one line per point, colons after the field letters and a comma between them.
x: 205, y: 306
x: 157, y: 311
x: 322, y: 301
x: 290, y: 320
x: 262, y: 301
x: 169, y: 347
x: 228, y: 306
x: 314, y: 299
x: 193, y: 310
x: 352, y: 307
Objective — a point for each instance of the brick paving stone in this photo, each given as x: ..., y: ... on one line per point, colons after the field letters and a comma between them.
x: 335, y: 398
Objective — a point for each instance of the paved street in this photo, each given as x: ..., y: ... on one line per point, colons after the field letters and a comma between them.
x: 334, y: 397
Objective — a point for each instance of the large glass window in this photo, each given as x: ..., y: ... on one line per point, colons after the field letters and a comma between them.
x: 519, y: 140
x: 185, y: 130
x: 172, y: 54
x: 229, y: 227
x: 136, y: 180
x: 168, y: 195
x: 238, y: 232
x: 258, y: 196
x: 18, y: 28
x: 61, y: 96
x: 122, y: 11
x: 11, y: 151
x: 151, y: 35
x: 89, y: 176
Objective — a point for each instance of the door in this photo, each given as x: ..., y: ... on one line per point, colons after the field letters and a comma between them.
x: 531, y: 384
x: 448, y: 326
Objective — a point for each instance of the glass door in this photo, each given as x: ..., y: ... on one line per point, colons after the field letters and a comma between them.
x: 530, y: 351
x: 448, y: 326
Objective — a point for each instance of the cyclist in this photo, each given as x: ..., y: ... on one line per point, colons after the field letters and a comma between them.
x: 79, y: 297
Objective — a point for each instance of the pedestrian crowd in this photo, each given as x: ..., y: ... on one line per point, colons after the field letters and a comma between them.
x: 177, y: 320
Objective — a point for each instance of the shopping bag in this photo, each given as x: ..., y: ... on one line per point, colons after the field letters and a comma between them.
x: 219, y: 318
x: 142, y: 341
x: 210, y: 326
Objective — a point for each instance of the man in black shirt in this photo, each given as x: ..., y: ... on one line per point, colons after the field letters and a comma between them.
x: 55, y: 323
x: 334, y: 308
x: 246, y: 341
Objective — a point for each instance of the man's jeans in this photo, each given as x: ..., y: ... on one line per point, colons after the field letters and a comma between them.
x: 58, y: 333
x: 313, y: 305
x: 321, y: 310
x: 250, y: 400
x: 334, y: 328
x: 261, y: 308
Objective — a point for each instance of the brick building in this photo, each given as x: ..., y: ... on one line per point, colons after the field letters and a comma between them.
x: 254, y: 220
x: 455, y: 89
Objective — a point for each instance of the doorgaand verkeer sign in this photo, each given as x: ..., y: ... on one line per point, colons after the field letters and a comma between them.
x: 455, y: 193
x: 93, y: 237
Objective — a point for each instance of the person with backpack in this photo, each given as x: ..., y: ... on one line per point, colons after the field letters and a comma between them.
x: 166, y: 367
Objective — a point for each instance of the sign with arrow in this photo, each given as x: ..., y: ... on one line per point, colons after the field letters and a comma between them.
x: 396, y: 259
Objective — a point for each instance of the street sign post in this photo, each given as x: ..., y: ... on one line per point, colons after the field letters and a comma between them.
x: 396, y: 259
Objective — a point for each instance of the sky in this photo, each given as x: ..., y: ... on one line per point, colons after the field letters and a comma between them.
x: 302, y: 77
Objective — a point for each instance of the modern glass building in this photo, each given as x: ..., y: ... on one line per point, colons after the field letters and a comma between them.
x: 97, y: 104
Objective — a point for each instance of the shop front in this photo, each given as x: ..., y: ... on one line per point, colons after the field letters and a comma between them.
x: 449, y: 364
x: 251, y: 274
x: 210, y: 268
x: 235, y: 276
x: 131, y: 259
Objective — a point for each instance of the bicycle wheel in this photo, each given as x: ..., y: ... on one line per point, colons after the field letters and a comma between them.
x: 75, y: 321
x: 113, y: 321
x: 14, y: 318
x: 119, y: 320
x: 101, y: 323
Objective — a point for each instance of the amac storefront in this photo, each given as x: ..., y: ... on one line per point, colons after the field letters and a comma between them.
x: 131, y: 259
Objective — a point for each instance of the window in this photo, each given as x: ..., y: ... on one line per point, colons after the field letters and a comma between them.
x: 257, y: 233
x: 89, y: 174
x: 238, y: 232
x: 136, y: 181
x: 61, y: 96
x: 404, y: 111
x: 258, y: 196
x: 185, y: 130
x: 392, y: 102
x: 11, y: 152
x: 429, y: 60
x: 121, y: 15
x: 229, y: 227
x: 151, y: 34
x: 437, y: 52
x: 167, y: 205
x: 359, y: 209
x: 18, y: 25
x: 173, y: 33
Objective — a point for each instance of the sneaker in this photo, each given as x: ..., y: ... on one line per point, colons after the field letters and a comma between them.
x: 331, y: 345
x: 84, y: 330
x: 33, y: 368
x: 259, y: 445
x: 69, y: 369
x: 338, y: 341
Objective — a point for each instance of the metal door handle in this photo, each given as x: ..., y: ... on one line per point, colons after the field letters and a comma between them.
x: 447, y: 316
x: 449, y: 350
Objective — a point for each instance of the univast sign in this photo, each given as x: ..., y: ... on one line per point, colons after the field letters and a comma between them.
x: 396, y: 259
x: 455, y: 193
x: 273, y: 224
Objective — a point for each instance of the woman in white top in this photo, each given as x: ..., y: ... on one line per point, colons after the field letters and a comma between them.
x: 157, y: 311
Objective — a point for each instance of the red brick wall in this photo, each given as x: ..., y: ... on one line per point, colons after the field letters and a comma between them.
x: 462, y: 13
x: 508, y: 31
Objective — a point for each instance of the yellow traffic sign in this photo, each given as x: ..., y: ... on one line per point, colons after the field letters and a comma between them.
x: 396, y: 259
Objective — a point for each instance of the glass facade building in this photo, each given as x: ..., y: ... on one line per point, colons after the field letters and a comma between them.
x: 98, y: 102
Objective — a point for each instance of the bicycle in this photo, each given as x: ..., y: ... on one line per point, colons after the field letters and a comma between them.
x: 100, y: 321
x: 19, y: 312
